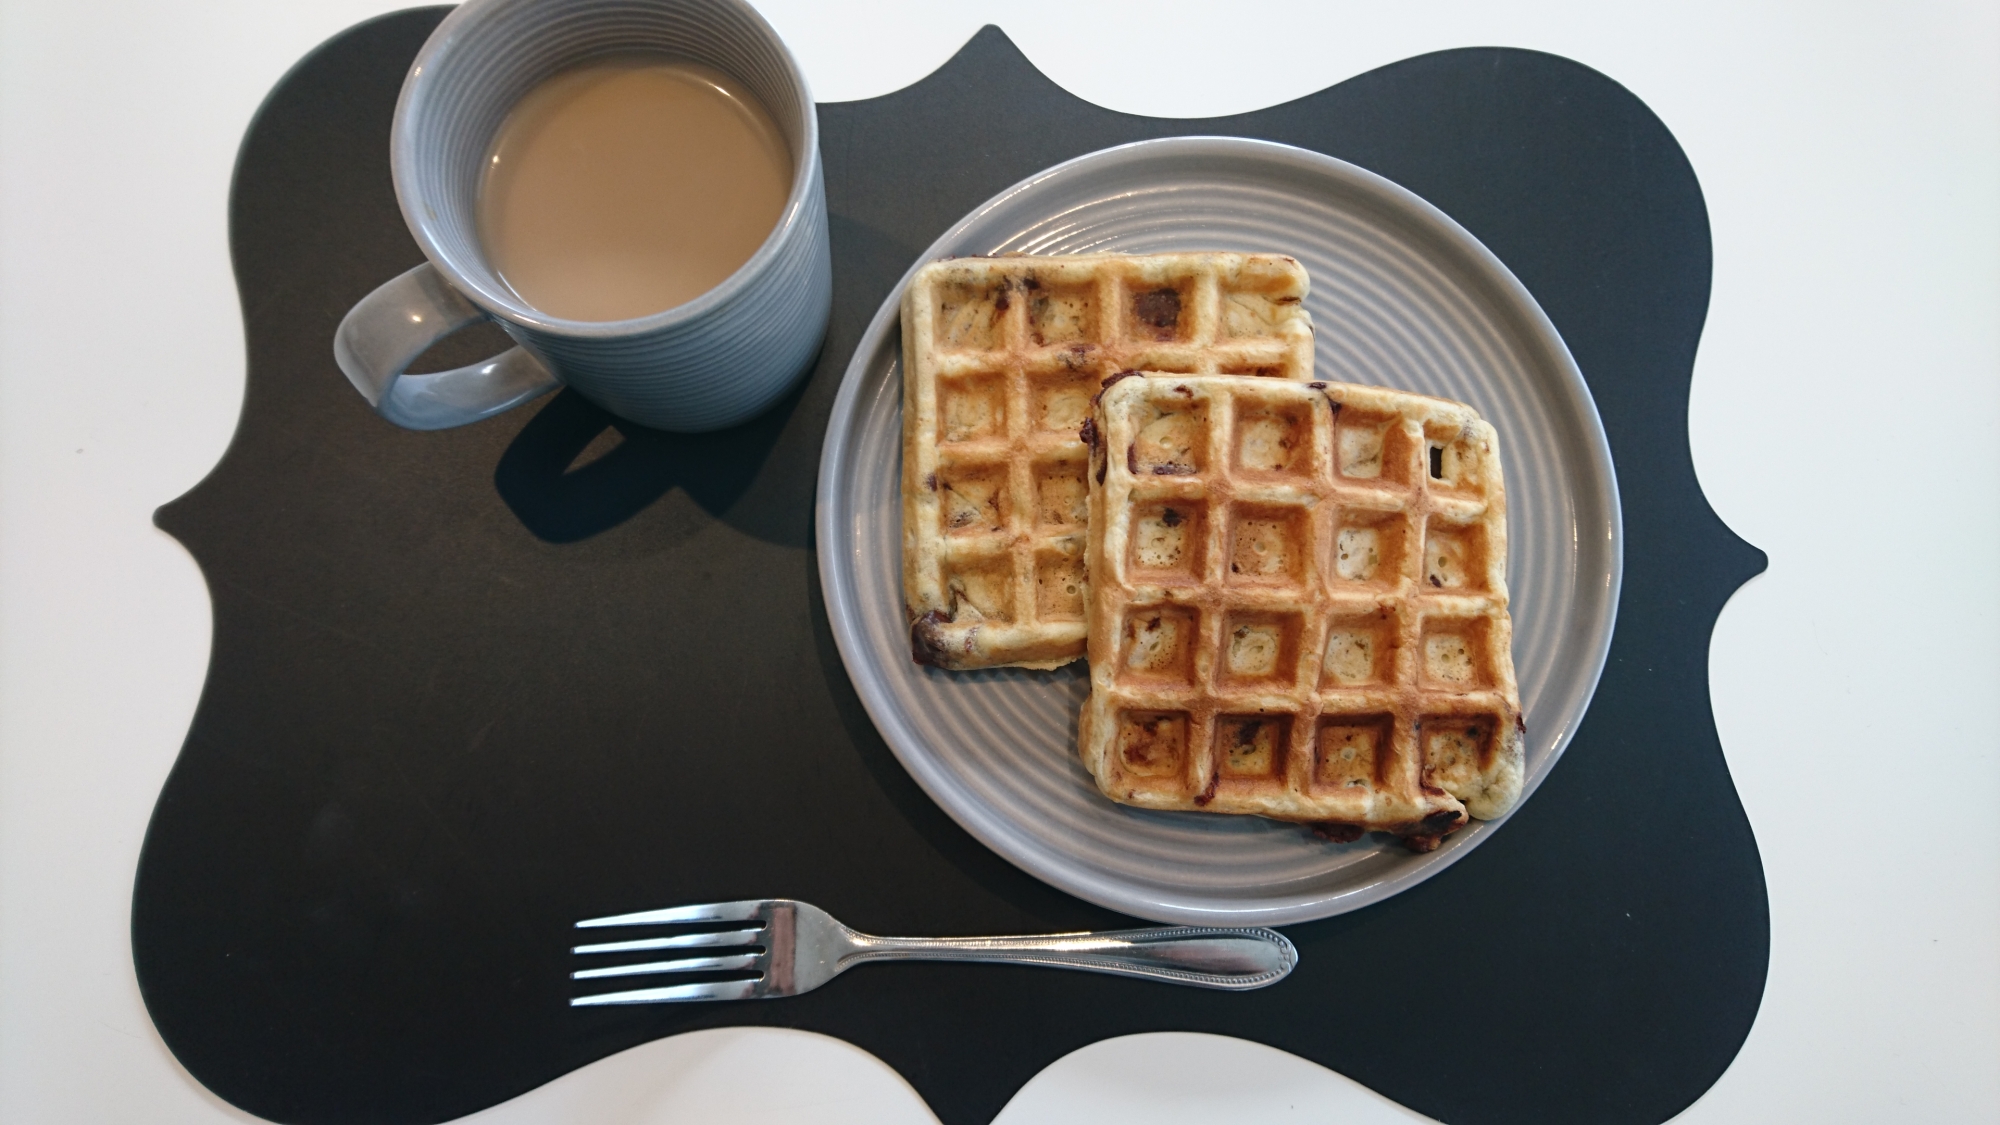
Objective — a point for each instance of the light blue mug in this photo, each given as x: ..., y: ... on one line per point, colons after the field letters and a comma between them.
x: 717, y: 360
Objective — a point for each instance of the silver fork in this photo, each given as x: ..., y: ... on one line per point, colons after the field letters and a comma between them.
x: 803, y: 947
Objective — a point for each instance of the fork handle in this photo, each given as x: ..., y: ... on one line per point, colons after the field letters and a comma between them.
x: 1203, y: 956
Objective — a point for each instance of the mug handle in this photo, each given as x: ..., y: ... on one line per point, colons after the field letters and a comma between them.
x: 388, y: 329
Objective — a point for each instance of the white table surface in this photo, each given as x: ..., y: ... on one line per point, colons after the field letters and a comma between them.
x: 1843, y: 420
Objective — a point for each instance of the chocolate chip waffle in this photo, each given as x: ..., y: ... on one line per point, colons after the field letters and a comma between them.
x: 1001, y: 357
x: 1299, y: 607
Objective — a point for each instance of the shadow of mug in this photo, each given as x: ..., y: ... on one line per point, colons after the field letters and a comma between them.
x: 562, y: 494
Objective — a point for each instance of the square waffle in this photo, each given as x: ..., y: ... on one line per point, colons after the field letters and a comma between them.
x: 1299, y: 607
x: 1001, y: 357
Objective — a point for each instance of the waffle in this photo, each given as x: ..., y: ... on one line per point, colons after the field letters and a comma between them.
x: 1299, y: 607
x: 1001, y: 357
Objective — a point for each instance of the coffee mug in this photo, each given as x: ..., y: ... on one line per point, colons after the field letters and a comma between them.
x: 712, y: 362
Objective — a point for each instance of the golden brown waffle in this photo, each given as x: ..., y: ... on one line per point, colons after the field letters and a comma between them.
x: 1299, y: 606
x: 1000, y: 359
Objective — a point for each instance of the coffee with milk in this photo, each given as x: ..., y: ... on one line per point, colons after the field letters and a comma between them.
x: 622, y: 188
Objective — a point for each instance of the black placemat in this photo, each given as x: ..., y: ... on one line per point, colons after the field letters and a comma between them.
x: 470, y: 686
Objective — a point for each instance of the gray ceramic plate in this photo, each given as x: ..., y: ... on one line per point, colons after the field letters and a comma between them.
x: 1401, y: 297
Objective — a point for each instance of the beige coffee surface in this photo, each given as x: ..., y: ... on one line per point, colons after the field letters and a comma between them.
x: 623, y: 188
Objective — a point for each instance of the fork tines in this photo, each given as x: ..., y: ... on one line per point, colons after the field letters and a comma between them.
x: 749, y: 939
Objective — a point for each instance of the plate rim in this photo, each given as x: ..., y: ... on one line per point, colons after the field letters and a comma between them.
x: 843, y: 615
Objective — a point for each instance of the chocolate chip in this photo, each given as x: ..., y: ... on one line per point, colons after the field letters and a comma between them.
x: 1160, y: 308
x: 927, y: 642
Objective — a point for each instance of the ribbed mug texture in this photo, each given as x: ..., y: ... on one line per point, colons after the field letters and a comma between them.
x: 712, y: 362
